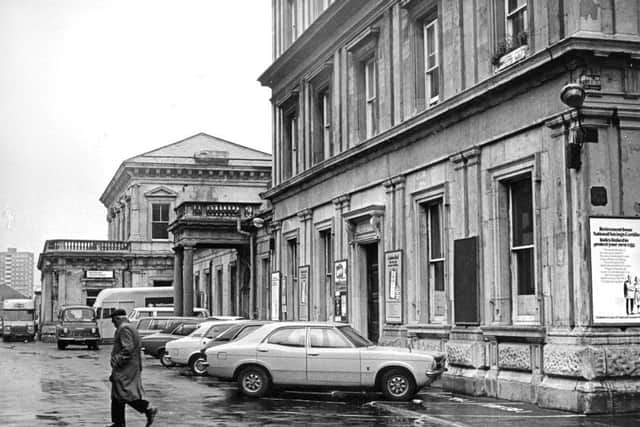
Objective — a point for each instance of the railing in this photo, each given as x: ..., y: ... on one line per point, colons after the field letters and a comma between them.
x: 216, y: 210
x: 87, y: 246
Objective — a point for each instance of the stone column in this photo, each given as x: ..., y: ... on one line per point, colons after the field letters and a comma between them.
x: 177, y: 281
x: 135, y: 213
x: 187, y: 281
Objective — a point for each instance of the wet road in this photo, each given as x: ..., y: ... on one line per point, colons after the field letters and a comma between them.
x: 43, y: 386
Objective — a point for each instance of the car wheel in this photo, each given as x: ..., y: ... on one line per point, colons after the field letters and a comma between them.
x: 61, y: 345
x: 398, y: 384
x: 254, y: 381
x: 198, y: 367
x: 166, y: 360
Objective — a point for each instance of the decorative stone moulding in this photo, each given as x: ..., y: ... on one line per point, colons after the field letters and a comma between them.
x: 426, y: 344
x: 574, y: 361
x: 514, y: 356
x: 471, y: 354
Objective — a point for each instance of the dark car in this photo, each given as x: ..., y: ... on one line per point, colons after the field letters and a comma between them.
x: 199, y: 367
x: 77, y: 324
x: 154, y: 344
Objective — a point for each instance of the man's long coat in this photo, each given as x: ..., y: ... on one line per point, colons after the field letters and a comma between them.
x: 126, y: 365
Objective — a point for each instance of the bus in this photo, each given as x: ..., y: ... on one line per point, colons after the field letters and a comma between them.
x: 18, y: 319
x: 128, y: 299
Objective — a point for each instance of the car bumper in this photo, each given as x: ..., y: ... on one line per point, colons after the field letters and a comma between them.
x: 433, y: 375
x: 79, y: 340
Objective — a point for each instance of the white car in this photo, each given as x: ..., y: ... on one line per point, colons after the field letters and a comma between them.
x: 321, y: 355
x: 185, y: 351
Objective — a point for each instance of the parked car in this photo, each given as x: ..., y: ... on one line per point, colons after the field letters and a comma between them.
x: 321, y: 355
x: 151, y: 325
x: 242, y: 329
x: 185, y: 351
x: 154, y: 344
x: 77, y: 324
x: 140, y: 312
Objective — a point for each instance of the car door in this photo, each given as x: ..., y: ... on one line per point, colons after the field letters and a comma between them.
x: 284, y: 353
x: 332, y: 359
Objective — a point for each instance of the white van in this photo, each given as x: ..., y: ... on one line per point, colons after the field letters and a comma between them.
x: 139, y: 312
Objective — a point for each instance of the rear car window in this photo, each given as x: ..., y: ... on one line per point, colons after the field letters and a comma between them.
x: 326, y: 338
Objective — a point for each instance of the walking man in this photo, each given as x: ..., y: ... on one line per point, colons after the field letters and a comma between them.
x: 126, y: 367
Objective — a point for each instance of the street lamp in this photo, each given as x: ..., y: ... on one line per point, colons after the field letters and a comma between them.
x: 573, y: 95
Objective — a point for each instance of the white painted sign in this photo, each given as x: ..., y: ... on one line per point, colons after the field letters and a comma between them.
x: 99, y: 274
x: 275, y: 296
x: 615, y: 269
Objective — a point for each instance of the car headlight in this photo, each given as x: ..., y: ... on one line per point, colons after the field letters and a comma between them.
x: 94, y: 330
x: 65, y: 330
x: 30, y: 328
x: 7, y: 328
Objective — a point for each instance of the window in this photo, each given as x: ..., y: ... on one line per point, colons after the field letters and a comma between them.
x: 431, y: 62
x: 292, y: 337
x: 246, y: 331
x: 521, y: 236
x: 516, y: 22
x: 435, y: 251
x: 512, y: 28
x: 92, y: 294
x: 159, y: 220
x: 371, y: 93
x: 216, y: 330
x: 322, y: 135
x: 289, y: 139
x: 326, y: 338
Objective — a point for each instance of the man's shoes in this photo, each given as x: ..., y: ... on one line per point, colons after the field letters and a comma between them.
x: 151, y: 415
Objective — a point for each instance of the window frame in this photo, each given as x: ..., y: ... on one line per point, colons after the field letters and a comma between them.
x: 154, y: 222
x: 510, y: 307
x: 370, y: 94
x: 431, y: 22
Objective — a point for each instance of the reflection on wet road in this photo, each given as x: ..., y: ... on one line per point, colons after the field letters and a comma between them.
x: 43, y: 386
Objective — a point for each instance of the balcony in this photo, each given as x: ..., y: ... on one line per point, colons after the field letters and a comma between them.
x: 86, y: 246
x: 216, y: 210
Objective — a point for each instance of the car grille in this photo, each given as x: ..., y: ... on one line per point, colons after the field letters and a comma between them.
x: 80, y: 333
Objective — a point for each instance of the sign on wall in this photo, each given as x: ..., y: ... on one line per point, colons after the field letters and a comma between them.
x: 615, y: 269
x: 340, y: 274
x: 393, y: 286
x: 303, y: 284
x: 99, y: 274
x: 340, y: 307
x: 275, y: 295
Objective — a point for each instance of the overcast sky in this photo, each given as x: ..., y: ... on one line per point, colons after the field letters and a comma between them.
x: 86, y: 84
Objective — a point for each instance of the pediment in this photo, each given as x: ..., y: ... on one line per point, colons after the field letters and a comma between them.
x: 161, y: 191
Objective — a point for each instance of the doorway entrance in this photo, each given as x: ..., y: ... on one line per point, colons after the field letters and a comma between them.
x: 373, y: 298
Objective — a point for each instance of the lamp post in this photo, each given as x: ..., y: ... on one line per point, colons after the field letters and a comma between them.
x: 573, y: 95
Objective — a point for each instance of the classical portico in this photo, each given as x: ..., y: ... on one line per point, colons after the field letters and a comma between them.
x: 214, y: 225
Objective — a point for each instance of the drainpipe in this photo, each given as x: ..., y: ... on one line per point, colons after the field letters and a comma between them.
x: 251, y: 266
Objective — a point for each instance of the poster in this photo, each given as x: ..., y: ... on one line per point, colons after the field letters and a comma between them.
x: 393, y: 286
x: 275, y: 296
x: 615, y: 269
x: 340, y: 307
x: 303, y: 283
x: 340, y: 274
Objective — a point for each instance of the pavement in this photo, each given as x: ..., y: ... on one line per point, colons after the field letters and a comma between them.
x: 43, y: 386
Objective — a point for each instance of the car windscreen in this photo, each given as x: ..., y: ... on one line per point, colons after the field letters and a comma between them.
x: 17, y: 315
x: 229, y: 333
x: 184, y: 330
x: 246, y: 331
x: 355, y: 337
x: 78, y: 315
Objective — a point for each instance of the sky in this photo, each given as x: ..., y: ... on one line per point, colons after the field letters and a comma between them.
x: 86, y: 84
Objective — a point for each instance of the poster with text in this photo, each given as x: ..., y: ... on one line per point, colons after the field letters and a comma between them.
x: 340, y: 274
x: 303, y: 283
x: 275, y: 296
x: 615, y: 269
x: 393, y: 286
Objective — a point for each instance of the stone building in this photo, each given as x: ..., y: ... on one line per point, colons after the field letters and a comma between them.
x: 430, y: 186
x: 148, y: 193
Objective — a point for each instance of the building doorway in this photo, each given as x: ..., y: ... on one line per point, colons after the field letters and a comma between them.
x: 373, y: 298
